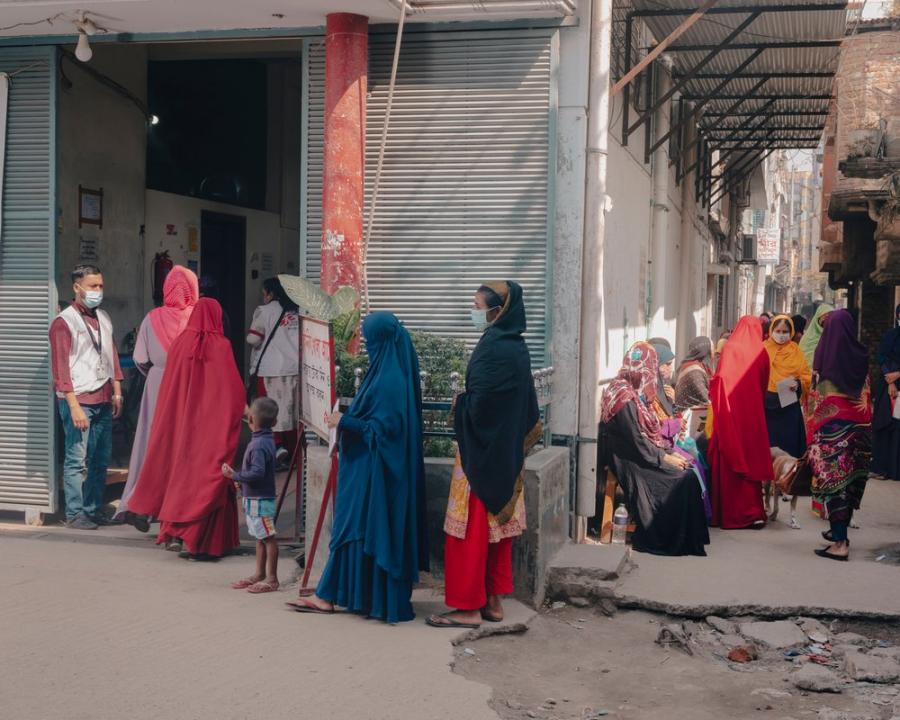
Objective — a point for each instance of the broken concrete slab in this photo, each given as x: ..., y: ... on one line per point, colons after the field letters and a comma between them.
x: 815, y: 678
x: 815, y: 630
x: 850, y: 638
x: 871, y: 668
x: 726, y: 627
x: 886, y: 652
x: 778, y: 635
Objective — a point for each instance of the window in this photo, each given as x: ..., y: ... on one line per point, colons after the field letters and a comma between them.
x: 721, y: 299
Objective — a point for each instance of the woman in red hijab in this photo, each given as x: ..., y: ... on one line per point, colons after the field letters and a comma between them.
x: 739, y: 454
x: 158, y: 331
x: 195, y: 430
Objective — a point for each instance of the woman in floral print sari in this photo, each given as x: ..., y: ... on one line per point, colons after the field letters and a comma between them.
x: 840, y: 429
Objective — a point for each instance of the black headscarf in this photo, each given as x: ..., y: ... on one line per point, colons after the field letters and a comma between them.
x: 499, y: 407
x: 663, y: 350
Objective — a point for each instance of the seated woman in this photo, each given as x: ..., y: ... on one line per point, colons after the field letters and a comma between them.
x: 661, y: 489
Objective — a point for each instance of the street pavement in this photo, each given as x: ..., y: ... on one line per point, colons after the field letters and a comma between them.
x: 98, y: 627
x: 773, y: 571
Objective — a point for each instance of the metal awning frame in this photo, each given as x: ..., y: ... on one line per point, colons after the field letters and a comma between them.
x: 759, y: 131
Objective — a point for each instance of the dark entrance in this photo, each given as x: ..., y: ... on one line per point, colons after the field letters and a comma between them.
x: 223, y: 249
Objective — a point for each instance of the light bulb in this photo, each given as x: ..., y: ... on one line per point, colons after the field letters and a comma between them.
x: 83, y: 50
x: 154, y: 119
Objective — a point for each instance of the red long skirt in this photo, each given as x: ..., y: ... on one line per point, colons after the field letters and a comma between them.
x: 736, y: 503
x: 215, y: 535
x: 475, y: 568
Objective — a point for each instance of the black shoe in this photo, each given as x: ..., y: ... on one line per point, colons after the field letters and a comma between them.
x: 141, y: 523
x: 102, y: 520
x: 831, y: 556
x: 81, y: 522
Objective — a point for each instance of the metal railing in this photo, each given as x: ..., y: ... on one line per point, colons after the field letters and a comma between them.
x: 434, y: 405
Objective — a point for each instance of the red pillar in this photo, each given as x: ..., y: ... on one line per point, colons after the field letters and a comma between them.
x: 346, y: 67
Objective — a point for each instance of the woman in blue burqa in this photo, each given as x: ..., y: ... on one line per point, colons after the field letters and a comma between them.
x: 378, y: 540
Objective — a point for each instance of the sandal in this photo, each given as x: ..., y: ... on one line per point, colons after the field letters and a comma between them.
x: 823, y: 553
x: 300, y: 606
x: 263, y: 587
x: 243, y: 584
x: 444, y: 621
x: 486, y: 615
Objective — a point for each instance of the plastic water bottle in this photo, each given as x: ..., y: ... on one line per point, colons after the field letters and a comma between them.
x: 620, y: 525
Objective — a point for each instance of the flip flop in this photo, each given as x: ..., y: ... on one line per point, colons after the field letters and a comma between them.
x: 826, y: 534
x: 831, y: 556
x: 311, y: 609
x: 449, y: 622
x: 485, y: 615
x: 263, y: 587
x: 242, y: 584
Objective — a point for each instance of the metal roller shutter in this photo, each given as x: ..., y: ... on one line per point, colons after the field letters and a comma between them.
x: 465, y: 187
x: 27, y: 295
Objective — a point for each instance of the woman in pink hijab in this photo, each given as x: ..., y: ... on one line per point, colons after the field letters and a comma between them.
x: 158, y: 331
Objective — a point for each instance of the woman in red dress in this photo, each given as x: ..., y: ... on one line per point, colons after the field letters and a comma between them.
x: 739, y: 454
x: 195, y: 430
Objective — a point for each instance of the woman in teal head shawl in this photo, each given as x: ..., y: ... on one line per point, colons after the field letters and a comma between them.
x: 813, y: 333
x: 378, y: 543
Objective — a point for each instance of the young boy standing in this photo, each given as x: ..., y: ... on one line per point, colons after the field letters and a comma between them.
x: 257, y: 480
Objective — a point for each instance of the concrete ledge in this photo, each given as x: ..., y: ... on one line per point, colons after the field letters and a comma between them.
x: 546, y: 506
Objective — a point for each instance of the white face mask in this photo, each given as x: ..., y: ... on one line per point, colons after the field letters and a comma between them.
x: 781, y: 337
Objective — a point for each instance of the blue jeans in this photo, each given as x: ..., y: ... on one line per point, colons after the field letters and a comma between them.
x: 86, y: 458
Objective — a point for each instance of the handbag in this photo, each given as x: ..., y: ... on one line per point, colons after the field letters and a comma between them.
x: 798, y: 481
x: 254, y: 376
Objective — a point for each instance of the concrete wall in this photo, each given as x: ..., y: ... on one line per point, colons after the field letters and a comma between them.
x: 102, y: 140
x: 546, y: 505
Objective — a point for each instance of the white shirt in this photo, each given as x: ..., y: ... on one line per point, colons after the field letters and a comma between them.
x: 282, y: 355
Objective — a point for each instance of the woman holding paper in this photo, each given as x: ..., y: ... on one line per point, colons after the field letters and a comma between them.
x: 789, y: 382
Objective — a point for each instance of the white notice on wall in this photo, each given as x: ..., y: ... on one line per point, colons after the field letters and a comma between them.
x: 316, y: 375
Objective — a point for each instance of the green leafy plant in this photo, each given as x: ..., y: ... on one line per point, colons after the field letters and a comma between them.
x: 439, y: 357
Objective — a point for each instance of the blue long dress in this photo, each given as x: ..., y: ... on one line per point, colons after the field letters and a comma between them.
x: 377, y: 544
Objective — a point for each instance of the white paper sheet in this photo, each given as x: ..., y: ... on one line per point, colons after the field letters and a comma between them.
x: 786, y: 396
x: 896, y: 412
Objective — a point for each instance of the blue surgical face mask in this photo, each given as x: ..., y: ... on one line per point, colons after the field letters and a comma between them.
x: 479, y: 319
x: 93, y: 298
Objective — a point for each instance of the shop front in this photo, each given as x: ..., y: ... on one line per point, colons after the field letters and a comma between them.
x: 208, y: 149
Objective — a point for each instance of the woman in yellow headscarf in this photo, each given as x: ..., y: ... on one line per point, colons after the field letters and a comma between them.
x: 789, y: 381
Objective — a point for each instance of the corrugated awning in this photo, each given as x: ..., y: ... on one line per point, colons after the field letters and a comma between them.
x: 758, y: 74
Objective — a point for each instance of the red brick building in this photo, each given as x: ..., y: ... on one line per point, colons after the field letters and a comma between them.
x: 861, y: 176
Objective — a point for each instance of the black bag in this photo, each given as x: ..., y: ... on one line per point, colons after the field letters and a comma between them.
x: 251, y: 381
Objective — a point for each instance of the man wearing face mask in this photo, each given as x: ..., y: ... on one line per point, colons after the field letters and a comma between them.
x: 87, y: 378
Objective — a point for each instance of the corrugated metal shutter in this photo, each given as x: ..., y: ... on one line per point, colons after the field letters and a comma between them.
x: 464, y: 191
x: 27, y: 258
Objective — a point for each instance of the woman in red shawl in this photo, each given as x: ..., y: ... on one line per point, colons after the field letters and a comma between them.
x: 158, y: 331
x: 662, y: 492
x: 195, y: 430
x: 739, y: 454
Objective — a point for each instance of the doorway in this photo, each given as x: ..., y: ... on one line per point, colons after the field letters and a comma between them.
x: 223, y: 250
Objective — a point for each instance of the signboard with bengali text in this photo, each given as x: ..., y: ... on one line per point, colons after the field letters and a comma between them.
x: 317, y: 390
x: 768, y: 246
